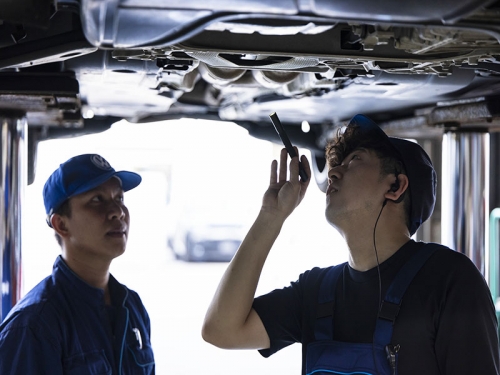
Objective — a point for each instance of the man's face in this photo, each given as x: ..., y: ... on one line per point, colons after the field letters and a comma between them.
x: 356, y: 189
x: 99, y: 222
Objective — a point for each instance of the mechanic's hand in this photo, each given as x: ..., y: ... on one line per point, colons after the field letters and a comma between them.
x: 283, y: 196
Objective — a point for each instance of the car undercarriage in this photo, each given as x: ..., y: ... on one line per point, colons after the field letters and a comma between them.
x: 424, y: 70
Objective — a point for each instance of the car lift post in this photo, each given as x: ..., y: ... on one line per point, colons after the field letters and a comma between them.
x: 465, y: 194
x: 12, y: 185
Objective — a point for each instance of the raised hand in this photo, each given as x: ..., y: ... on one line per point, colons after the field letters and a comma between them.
x: 284, y: 195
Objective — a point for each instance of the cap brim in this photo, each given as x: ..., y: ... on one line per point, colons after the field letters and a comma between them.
x: 129, y: 180
x: 367, y: 126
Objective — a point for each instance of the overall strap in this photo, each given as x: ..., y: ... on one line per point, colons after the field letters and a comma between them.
x: 392, y: 301
x: 323, y: 328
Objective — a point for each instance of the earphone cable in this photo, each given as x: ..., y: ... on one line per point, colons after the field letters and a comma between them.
x: 376, y: 257
x: 379, y: 282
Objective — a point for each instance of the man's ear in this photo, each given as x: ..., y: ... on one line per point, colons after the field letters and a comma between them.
x: 58, y: 223
x: 398, y: 188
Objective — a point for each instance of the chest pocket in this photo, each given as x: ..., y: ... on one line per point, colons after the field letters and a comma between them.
x: 90, y: 363
x: 141, y: 360
x: 344, y: 358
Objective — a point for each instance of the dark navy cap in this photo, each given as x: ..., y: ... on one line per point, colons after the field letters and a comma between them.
x: 79, y: 175
x: 421, y: 174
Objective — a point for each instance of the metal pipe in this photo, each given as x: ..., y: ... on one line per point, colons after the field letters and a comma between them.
x: 13, y: 150
x: 465, y: 195
x: 494, y: 258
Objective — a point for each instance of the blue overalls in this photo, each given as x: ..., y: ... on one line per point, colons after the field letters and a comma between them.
x: 328, y: 357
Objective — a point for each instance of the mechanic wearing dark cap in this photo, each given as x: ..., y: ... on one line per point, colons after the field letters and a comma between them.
x: 80, y: 320
x: 396, y: 307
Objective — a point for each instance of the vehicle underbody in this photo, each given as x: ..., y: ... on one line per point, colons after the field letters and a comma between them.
x: 421, y: 69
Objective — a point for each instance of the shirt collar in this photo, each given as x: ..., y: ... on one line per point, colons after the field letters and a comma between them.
x: 62, y: 274
x: 390, y: 265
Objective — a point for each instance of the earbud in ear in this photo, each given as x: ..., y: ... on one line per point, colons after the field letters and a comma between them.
x: 395, y: 186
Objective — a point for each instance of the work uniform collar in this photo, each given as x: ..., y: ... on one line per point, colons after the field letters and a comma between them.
x: 91, y: 295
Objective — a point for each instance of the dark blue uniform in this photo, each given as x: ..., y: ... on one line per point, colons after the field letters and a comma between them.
x: 62, y: 326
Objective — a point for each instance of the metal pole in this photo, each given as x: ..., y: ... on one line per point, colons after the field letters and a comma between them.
x: 494, y: 261
x: 465, y: 195
x: 12, y: 163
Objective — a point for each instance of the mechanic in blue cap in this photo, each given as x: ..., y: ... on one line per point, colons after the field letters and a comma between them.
x: 396, y: 307
x: 80, y: 320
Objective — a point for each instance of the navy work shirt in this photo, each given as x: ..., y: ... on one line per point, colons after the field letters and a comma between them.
x: 62, y: 326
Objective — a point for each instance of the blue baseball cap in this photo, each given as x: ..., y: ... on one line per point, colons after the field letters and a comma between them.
x: 419, y: 170
x: 79, y: 175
